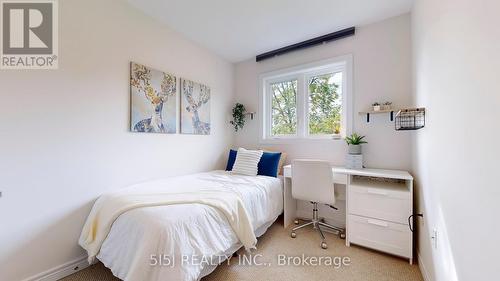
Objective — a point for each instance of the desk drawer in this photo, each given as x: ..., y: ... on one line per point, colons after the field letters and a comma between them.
x: 380, y: 235
x: 389, y: 204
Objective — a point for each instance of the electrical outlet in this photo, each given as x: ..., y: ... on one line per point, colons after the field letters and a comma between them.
x: 434, y: 238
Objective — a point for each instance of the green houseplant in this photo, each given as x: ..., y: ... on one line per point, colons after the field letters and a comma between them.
x: 387, y: 105
x: 336, y: 128
x: 354, y: 142
x: 238, y: 116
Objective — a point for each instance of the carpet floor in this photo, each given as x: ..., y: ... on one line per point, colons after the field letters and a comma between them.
x: 276, y: 246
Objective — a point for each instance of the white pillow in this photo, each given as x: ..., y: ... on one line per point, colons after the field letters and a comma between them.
x: 247, y: 161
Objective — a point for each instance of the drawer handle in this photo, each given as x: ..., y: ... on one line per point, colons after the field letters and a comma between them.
x: 378, y: 223
x: 376, y: 192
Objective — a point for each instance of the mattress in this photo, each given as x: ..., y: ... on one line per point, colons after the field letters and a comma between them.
x: 186, y: 241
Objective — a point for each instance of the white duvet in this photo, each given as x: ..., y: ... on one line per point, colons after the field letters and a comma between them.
x: 186, y: 241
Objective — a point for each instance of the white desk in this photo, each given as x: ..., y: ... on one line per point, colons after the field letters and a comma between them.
x: 376, y: 213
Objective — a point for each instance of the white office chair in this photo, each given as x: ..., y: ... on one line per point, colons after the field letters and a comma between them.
x: 312, y: 180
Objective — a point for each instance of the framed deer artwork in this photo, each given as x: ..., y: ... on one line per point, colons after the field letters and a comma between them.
x: 195, y: 108
x: 153, y: 100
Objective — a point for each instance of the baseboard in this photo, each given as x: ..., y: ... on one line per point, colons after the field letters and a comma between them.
x: 61, y: 271
x: 423, y: 270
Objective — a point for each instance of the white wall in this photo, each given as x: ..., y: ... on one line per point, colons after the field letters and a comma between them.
x: 64, y: 134
x: 456, y: 56
x: 382, y: 71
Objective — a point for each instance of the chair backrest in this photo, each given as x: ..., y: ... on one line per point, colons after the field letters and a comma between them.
x: 312, y: 180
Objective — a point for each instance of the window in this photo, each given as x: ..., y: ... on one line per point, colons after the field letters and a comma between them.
x: 325, y: 104
x: 284, y: 108
x: 307, y: 102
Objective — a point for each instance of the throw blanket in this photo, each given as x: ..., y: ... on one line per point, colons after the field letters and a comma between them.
x: 110, y: 206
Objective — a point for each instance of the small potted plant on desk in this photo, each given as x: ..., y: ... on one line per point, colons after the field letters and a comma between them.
x: 354, y: 159
x: 354, y: 143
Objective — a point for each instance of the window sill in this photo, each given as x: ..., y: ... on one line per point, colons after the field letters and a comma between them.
x: 300, y: 140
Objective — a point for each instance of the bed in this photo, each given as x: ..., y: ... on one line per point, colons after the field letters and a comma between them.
x: 186, y: 241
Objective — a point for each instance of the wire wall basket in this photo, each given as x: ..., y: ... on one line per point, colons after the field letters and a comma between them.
x: 410, y: 119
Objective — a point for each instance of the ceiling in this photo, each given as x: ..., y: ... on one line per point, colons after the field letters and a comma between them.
x: 238, y: 30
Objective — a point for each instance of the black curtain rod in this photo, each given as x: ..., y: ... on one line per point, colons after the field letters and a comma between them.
x: 308, y: 43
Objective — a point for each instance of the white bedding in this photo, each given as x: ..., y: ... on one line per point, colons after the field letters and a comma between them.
x: 185, y: 235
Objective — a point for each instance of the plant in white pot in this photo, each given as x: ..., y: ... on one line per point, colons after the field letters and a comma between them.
x: 376, y: 106
x: 354, y: 142
x: 336, y: 130
x: 387, y: 105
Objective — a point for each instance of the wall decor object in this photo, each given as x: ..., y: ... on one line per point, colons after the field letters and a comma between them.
x: 410, y: 119
x: 377, y: 108
x: 239, y: 114
x: 153, y: 100
x: 387, y: 105
x: 195, y: 108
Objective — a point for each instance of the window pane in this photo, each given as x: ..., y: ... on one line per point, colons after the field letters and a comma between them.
x: 284, y: 108
x: 325, y: 104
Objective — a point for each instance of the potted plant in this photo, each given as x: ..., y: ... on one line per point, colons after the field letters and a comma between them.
x: 336, y: 130
x: 387, y: 105
x: 238, y: 116
x: 376, y: 106
x: 354, y: 143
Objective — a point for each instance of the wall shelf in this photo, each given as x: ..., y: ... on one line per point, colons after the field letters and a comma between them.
x: 368, y: 113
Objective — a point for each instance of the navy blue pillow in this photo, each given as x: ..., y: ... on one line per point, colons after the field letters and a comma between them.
x: 231, y: 159
x: 269, y: 164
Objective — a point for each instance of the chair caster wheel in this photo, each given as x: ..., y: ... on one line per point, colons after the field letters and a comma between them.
x: 296, y: 221
x: 293, y: 234
x: 324, y: 246
x: 342, y: 235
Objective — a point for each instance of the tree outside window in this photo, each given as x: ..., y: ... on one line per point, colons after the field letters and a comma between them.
x: 325, y: 104
x: 306, y: 102
x: 284, y: 108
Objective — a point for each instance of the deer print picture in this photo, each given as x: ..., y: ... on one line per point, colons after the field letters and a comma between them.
x: 153, y: 101
x: 195, y: 108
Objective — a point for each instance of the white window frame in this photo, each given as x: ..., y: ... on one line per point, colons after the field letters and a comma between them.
x: 301, y: 73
